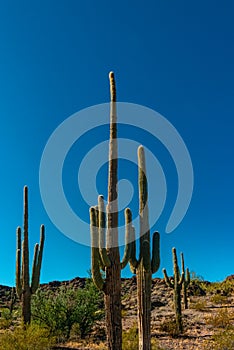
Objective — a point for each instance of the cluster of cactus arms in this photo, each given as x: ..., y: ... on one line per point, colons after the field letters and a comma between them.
x: 24, y: 287
x: 176, y: 284
x: 104, y: 237
x: 186, y: 282
x: 100, y: 258
x: 145, y: 266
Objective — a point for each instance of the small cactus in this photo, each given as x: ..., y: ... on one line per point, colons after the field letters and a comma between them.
x: 24, y: 288
x: 176, y: 284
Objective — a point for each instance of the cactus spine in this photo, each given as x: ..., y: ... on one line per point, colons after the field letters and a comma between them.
x: 24, y: 288
x: 186, y: 282
x: 144, y: 266
x: 176, y: 284
x: 105, y: 251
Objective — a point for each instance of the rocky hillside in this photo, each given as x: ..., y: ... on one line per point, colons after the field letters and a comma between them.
x: 211, y: 309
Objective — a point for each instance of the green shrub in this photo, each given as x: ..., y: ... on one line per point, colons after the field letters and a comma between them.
x: 198, y: 305
x: 221, y: 341
x: 225, y: 288
x: 60, y: 311
x: 170, y: 327
x: 221, y: 319
x: 219, y: 299
x: 6, y: 319
x: 31, y: 338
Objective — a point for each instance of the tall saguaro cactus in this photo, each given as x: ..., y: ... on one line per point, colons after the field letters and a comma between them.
x: 186, y: 282
x: 24, y: 287
x: 144, y: 266
x: 176, y: 284
x: 105, y: 250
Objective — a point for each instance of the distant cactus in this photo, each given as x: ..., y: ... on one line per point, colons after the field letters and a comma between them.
x: 105, y: 250
x: 186, y: 282
x: 176, y: 284
x: 144, y: 266
x: 24, y: 288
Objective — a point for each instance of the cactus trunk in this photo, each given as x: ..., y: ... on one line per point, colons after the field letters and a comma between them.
x: 144, y: 266
x: 144, y: 307
x: 105, y: 252
x: 144, y: 274
x: 113, y: 272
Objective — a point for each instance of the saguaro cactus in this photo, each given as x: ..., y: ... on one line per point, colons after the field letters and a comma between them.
x: 144, y: 267
x: 105, y: 250
x: 24, y: 288
x: 176, y: 284
x: 186, y: 282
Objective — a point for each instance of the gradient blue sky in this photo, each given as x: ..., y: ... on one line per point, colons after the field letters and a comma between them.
x: 175, y: 57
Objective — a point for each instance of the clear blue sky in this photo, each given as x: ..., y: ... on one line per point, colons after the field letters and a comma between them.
x: 175, y: 57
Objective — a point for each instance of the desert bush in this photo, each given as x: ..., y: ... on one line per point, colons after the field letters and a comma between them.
x: 199, y: 305
x: 30, y: 338
x: 60, y: 311
x: 219, y: 299
x: 221, y: 319
x: 225, y: 288
x: 221, y: 341
x: 170, y: 327
x: 6, y: 319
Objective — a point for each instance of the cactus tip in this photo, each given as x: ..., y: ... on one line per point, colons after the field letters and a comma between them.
x: 111, y: 75
x: 128, y: 211
x: 92, y: 210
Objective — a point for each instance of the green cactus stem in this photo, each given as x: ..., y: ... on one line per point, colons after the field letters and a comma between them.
x: 186, y: 282
x: 145, y: 266
x: 176, y: 284
x: 24, y: 287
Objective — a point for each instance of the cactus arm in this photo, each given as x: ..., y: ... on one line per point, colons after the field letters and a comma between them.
x: 34, y: 269
x: 146, y: 255
x: 182, y: 262
x: 102, y: 225
x: 18, y: 263
x: 37, y: 261
x: 181, y: 280
x: 133, y: 262
x: 187, y: 279
x: 128, y: 244
x: 167, y: 279
x: 40, y: 254
x: 95, y: 262
x: 155, y: 261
